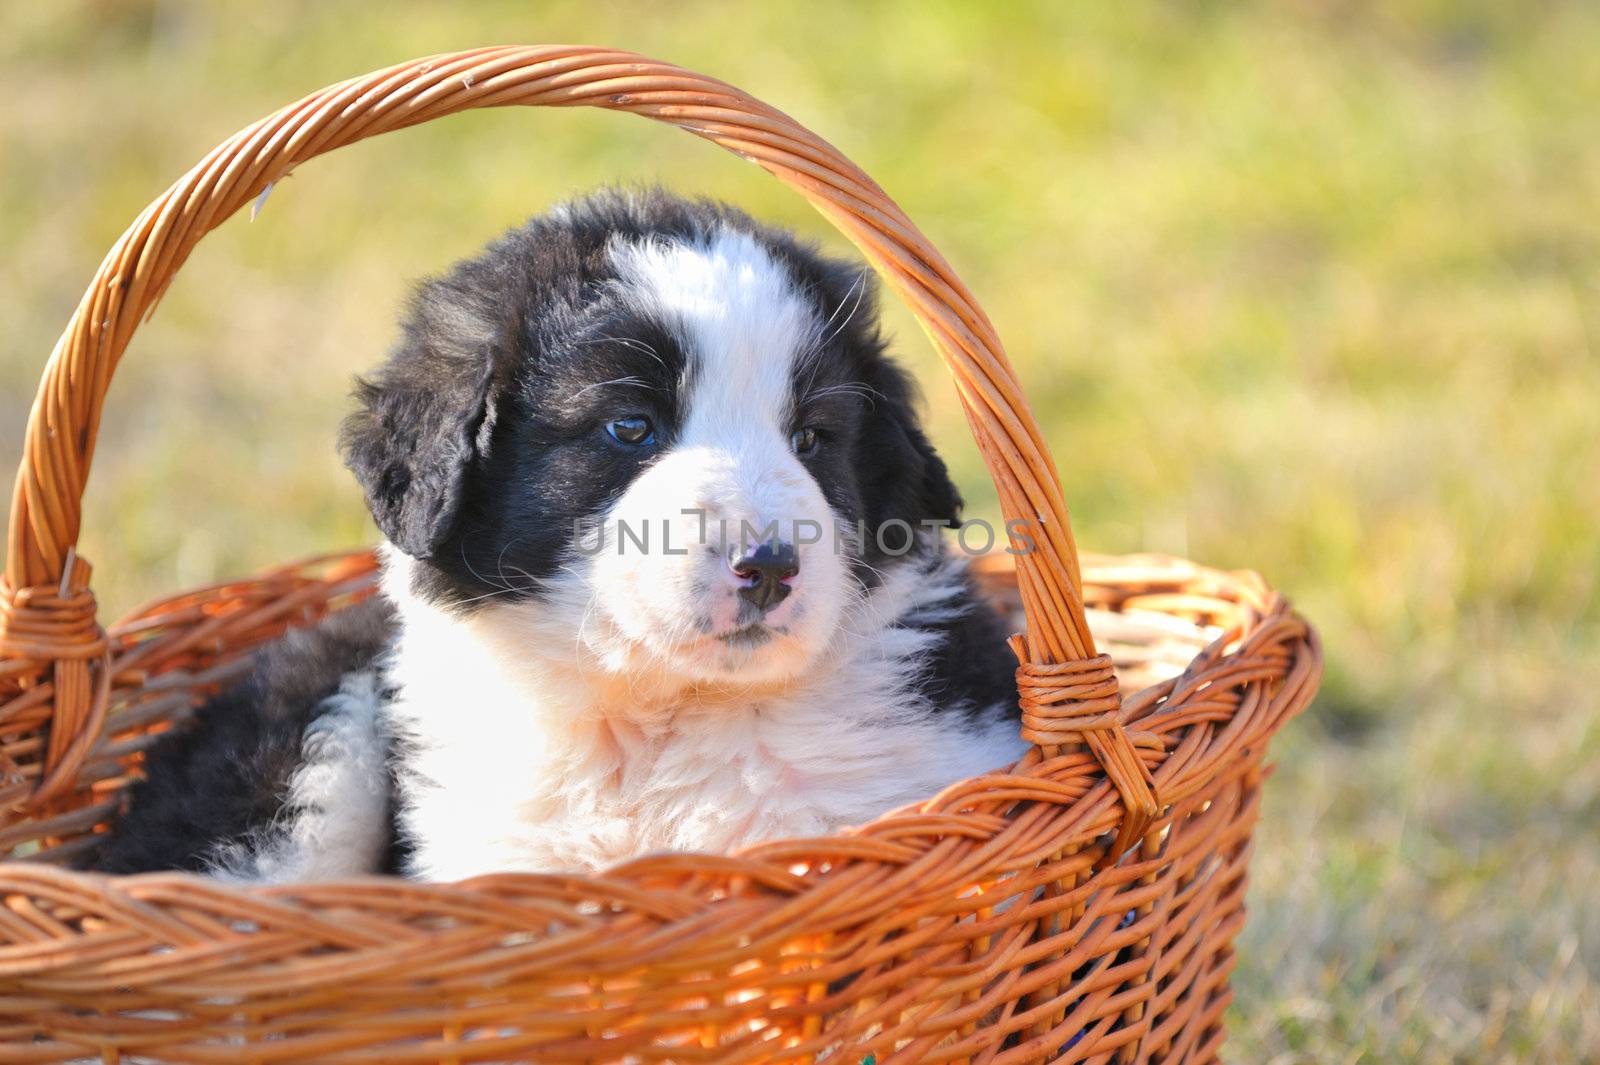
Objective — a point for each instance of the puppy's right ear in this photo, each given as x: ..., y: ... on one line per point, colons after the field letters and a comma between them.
x: 420, y: 424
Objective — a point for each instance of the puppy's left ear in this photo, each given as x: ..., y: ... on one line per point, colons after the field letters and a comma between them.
x: 420, y: 425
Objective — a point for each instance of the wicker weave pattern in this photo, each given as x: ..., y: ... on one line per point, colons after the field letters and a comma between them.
x: 988, y: 913
x: 1080, y: 904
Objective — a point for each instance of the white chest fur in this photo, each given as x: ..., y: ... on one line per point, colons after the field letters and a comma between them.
x: 519, y: 752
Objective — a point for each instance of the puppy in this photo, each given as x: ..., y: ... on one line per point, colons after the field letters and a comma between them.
x: 662, y: 572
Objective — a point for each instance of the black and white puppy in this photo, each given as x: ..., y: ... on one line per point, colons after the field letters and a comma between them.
x: 663, y: 573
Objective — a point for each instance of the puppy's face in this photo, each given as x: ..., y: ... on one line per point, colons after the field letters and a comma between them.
x: 658, y: 428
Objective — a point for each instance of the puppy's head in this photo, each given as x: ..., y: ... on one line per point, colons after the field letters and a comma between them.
x: 656, y: 426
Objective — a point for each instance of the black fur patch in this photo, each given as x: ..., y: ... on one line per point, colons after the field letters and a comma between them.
x: 224, y: 776
x: 970, y: 669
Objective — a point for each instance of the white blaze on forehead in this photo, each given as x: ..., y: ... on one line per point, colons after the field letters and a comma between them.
x: 729, y: 472
x: 742, y: 322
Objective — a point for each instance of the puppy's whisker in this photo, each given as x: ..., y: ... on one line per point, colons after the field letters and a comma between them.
x: 851, y: 388
x: 495, y: 594
x: 640, y: 346
x: 502, y: 583
x: 817, y: 346
x: 811, y: 354
x: 630, y: 381
x: 856, y: 289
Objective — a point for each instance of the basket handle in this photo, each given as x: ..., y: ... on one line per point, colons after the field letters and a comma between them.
x: 42, y: 602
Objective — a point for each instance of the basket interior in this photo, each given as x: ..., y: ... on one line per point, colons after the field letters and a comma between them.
x: 170, y: 655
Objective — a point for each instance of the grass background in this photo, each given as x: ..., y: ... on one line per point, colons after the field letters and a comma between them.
x: 1310, y: 288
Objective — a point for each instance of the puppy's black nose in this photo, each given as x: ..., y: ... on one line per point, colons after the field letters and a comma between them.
x: 766, y: 571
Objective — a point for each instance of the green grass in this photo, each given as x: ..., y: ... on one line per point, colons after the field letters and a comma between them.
x: 1311, y: 288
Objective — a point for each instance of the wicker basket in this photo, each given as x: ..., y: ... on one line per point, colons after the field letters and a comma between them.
x: 1079, y: 906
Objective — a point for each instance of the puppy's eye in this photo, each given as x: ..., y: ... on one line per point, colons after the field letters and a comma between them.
x: 637, y: 431
x: 803, y: 441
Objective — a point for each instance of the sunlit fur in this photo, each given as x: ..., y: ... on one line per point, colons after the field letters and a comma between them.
x: 571, y: 677
x: 596, y: 766
x: 335, y: 819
